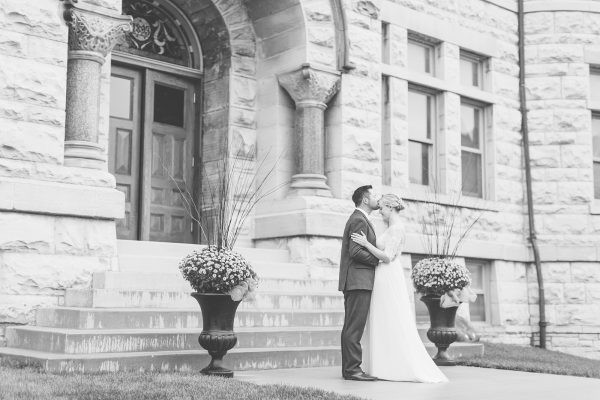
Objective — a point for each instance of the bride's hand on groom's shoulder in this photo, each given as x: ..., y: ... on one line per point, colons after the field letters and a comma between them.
x: 360, y: 239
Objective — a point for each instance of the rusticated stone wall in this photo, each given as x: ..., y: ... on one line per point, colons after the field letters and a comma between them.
x: 57, y: 222
x: 560, y: 48
x: 560, y: 124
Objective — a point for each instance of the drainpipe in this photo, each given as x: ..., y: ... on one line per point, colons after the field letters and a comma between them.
x: 525, y: 131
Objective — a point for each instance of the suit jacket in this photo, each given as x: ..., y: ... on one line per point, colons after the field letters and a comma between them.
x: 357, y: 264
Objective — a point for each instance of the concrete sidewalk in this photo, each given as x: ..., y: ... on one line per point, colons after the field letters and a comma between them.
x: 466, y: 383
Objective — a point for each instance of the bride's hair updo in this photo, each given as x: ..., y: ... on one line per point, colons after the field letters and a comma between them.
x: 393, y: 201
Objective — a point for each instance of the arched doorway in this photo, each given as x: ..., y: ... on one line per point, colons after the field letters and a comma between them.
x: 154, y: 133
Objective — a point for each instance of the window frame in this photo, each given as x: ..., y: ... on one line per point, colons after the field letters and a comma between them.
x: 594, y: 70
x: 480, y: 61
x: 431, y: 142
x: 595, y: 160
x: 485, y: 290
x: 430, y: 44
x: 420, y: 306
x: 594, y: 105
x: 482, y: 144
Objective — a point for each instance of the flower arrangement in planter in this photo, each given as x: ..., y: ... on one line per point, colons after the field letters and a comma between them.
x: 440, y: 276
x: 224, y: 271
x: 442, y: 282
x: 220, y: 277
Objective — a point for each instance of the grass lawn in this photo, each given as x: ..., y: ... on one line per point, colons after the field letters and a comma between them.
x: 29, y: 384
x: 533, y: 359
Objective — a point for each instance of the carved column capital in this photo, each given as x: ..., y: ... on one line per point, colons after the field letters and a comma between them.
x: 93, y: 33
x: 310, y: 86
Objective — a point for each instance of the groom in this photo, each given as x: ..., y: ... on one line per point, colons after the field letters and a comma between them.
x: 357, y: 272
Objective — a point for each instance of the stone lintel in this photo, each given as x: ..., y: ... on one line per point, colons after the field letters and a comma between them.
x: 51, y: 198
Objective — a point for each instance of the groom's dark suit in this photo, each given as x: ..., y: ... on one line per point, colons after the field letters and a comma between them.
x: 357, y: 273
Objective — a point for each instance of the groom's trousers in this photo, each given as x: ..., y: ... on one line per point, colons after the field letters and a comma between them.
x: 356, y: 305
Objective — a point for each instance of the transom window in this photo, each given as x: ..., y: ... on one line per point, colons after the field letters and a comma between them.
x: 472, y: 138
x: 421, y: 135
x: 421, y: 55
x: 471, y: 69
x: 156, y: 34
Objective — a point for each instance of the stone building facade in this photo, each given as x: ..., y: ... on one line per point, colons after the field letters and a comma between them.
x: 412, y: 96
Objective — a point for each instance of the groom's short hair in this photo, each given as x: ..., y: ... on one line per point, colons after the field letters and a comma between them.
x: 359, y: 194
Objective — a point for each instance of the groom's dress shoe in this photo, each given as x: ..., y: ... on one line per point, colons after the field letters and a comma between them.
x: 361, y: 376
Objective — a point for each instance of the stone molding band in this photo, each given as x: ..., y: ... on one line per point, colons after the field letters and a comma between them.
x: 22, y: 195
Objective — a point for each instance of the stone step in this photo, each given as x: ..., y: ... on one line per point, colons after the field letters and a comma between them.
x: 148, y: 250
x: 238, y: 359
x: 70, y: 341
x: 166, y: 264
x: 114, y: 298
x: 154, y: 318
x: 175, y: 282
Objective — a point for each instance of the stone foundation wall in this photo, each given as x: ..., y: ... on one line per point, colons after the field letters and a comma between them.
x: 41, y: 256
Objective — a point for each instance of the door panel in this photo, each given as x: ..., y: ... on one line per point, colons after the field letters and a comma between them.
x: 167, y: 162
x: 124, y: 144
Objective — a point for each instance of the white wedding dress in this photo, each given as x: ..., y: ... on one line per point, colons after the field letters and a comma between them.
x: 392, y: 348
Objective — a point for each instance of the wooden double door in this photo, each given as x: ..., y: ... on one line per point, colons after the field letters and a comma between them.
x: 151, y: 152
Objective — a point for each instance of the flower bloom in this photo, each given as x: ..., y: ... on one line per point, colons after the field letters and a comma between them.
x: 212, y: 270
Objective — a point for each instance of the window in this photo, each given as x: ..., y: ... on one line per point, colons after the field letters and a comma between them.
x: 472, y: 137
x: 471, y: 69
x: 421, y: 313
x: 595, y: 84
x: 420, y: 56
x: 479, y: 270
x: 596, y: 151
x: 421, y: 133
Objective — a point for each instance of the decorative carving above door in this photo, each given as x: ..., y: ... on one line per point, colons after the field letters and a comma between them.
x: 156, y: 33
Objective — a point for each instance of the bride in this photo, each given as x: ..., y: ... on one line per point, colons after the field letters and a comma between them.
x: 392, y: 347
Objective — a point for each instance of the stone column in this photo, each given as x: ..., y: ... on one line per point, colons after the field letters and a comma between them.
x: 92, y: 35
x: 311, y: 90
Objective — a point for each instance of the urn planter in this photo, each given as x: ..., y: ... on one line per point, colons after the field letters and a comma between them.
x: 217, y: 336
x: 442, y: 331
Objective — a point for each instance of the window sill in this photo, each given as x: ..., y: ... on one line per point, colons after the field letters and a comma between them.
x: 425, y: 195
x: 595, y: 207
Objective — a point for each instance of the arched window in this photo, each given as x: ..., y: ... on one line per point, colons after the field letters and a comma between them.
x: 158, y: 33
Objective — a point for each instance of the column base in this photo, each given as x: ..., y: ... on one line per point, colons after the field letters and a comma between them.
x: 309, y: 185
x: 84, y: 154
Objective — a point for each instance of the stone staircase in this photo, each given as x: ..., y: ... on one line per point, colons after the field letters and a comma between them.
x: 143, y: 318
